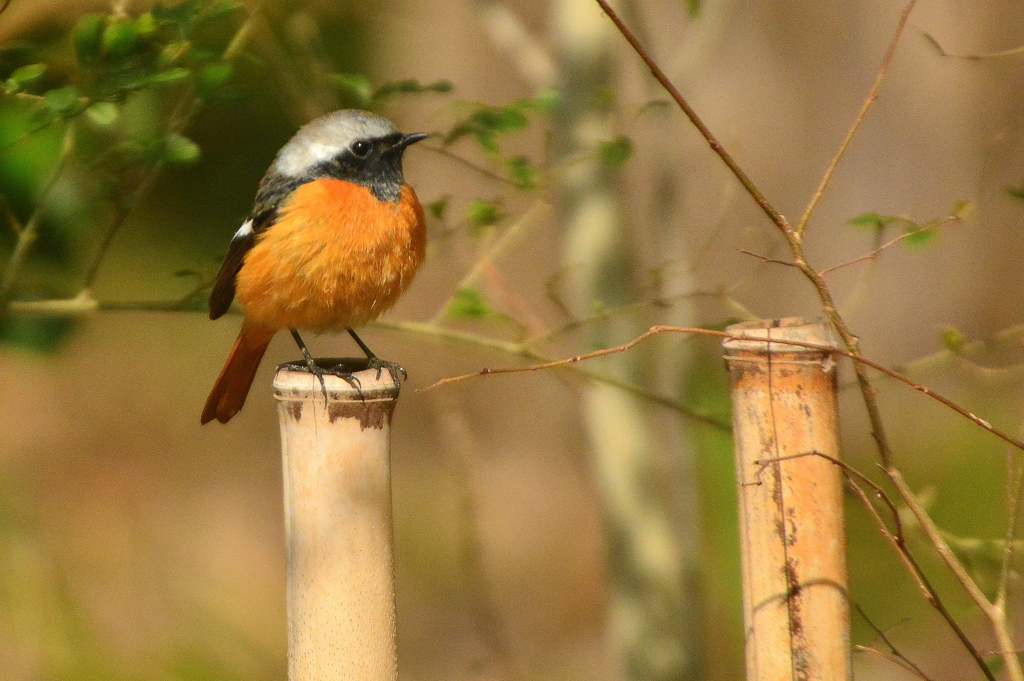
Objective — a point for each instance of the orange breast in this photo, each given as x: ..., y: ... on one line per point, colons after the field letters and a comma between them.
x: 337, y: 257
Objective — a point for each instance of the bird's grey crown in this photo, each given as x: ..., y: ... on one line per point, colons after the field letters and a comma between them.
x: 324, y: 138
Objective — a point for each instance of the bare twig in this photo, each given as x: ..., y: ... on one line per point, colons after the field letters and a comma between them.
x: 995, y: 612
x: 447, y: 153
x: 861, y: 115
x: 895, y: 655
x: 1014, y: 488
x: 897, y: 539
x: 899, y: 544
x: 716, y: 146
x: 768, y: 261
x: 895, y: 659
x: 656, y: 330
x: 876, y: 252
x: 973, y: 57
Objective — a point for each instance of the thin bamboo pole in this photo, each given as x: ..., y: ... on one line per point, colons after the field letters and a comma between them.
x: 337, y: 497
x: 795, y: 605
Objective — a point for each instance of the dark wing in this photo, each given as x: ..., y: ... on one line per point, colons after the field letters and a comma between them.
x: 245, y: 238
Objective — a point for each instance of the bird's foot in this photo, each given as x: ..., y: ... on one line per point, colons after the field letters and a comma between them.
x: 397, y: 371
x: 310, y: 366
x: 346, y: 371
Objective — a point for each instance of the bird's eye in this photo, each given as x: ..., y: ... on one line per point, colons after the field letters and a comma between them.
x: 360, y: 148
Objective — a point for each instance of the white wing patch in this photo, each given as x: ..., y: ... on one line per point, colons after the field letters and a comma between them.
x: 244, y: 231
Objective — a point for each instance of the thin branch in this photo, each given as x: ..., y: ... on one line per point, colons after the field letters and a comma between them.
x: 876, y: 252
x: 861, y: 115
x: 1014, y: 488
x: 496, y: 248
x: 124, y: 209
x: 858, y: 360
x: 653, y: 331
x: 973, y: 57
x: 716, y: 146
x: 768, y: 261
x: 995, y: 612
x: 84, y: 303
x: 899, y: 544
x: 897, y: 657
x: 443, y: 151
x: 521, y: 350
x: 30, y: 231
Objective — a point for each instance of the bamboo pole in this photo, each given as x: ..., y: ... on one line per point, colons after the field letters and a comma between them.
x: 796, y: 611
x: 337, y: 498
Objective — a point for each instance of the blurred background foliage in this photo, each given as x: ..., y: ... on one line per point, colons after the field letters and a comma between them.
x: 557, y: 525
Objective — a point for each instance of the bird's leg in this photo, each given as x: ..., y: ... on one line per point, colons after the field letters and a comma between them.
x: 375, y: 362
x: 319, y: 371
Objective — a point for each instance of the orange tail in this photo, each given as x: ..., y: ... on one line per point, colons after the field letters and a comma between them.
x: 232, y: 386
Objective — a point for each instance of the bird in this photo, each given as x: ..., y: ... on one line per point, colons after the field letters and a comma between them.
x: 334, y: 238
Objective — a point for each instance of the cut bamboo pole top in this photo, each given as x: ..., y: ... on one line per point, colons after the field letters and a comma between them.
x: 337, y: 489
x: 795, y: 601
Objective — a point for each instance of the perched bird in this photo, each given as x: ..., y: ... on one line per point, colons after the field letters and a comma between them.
x: 335, y: 237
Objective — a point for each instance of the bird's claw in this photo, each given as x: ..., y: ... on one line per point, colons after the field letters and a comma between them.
x: 394, y: 369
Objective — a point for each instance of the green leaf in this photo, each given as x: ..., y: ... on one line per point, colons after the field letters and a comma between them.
x: 119, y: 38
x: 1016, y: 192
x: 180, y: 150
x: 172, y: 52
x: 212, y: 76
x: 145, y: 25
x: 39, y: 334
x: 547, y: 100
x: 693, y: 8
x: 171, y: 75
x: 181, y: 15
x: 522, y: 172
x: 63, y: 101
x: 483, y: 213
x: 874, y: 221
x: 87, y: 37
x: 501, y: 119
x: 487, y: 123
x: 919, y: 235
x: 357, y: 86
x: 613, y: 153
x: 412, y: 86
x: 961, y: 209
x: 103, y: 114
x: 953, y: 340
x: 437, y: 208
x: 24, y: 76
x: 468, y: 303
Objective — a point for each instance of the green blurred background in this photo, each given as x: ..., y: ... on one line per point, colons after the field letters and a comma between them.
x: 549, y: 525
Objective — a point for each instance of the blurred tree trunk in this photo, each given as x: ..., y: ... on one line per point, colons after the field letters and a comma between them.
x: 636, y: 455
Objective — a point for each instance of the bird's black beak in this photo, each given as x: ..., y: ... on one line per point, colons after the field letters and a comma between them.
x: 407, y: 140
